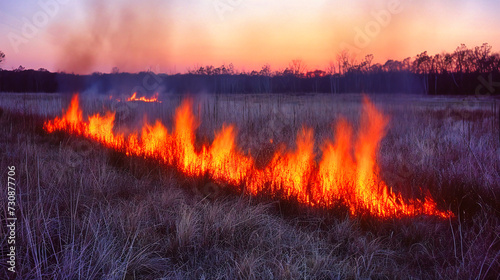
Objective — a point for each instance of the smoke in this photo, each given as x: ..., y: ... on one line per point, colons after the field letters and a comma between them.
x: 129, y: 36
x: 153, y: 34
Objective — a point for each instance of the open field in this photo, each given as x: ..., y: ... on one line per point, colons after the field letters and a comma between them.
x: 88, y: 212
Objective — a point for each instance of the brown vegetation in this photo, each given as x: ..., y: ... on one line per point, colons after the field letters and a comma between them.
x: 87, y: 212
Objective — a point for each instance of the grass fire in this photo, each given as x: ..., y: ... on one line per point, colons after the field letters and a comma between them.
x: 154, y: 98
x: 249, y: 140
x: 346, y: 172
x: 134, y: 97
x: 252, y: 186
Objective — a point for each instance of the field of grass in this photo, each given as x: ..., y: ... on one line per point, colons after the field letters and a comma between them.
x: 86, y: 212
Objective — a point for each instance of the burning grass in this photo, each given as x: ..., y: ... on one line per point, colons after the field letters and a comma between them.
x: 91, y: 212
x: 339, y: 176
x: 134, y: 98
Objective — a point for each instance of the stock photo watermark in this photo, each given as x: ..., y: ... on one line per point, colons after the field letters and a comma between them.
x: 222, y: 7
x: 380, y: 19
x: 32, y: 26
x: 486, y: 87
x: 11, y: 219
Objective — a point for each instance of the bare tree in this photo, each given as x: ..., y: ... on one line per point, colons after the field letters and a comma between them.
x: 422, y: 65
x: 482, y: 56
x: 459, y: 55
x: 437, y: 67
x: 367, y: 63
x: 331, y: 70
x: 448, y: 63
x: 266, y: 70
x: 345, y: 60
x: 2, y: 56
x: 298, y: 67
x: 464, y: 60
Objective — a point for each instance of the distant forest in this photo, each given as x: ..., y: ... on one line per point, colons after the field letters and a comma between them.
x: 466, y: 71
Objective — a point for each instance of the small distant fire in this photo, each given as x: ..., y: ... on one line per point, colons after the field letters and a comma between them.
x: 154, y: 98
x: 347, y: 171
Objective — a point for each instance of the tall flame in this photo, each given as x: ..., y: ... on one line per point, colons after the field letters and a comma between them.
x: 347, y: 172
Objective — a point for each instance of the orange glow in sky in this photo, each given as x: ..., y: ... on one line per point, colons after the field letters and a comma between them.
x: 86, y: 36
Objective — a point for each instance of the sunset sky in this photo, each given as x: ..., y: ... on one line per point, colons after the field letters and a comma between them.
x: 172, y: 36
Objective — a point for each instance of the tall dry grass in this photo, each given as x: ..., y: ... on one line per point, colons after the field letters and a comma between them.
x: 89, y: 213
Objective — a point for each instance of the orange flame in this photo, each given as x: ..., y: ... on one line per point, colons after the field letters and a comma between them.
x: 154, y: 98
x: 346, y: 172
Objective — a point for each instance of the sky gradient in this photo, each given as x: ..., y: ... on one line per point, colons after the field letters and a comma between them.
x: 173, y: 36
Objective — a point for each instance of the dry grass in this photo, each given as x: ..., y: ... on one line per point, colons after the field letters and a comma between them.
x: 89, y: 213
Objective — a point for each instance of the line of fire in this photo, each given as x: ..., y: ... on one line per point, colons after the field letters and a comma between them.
x: 347, y: 171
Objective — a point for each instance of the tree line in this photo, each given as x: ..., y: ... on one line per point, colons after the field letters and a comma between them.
x: 465, y: 71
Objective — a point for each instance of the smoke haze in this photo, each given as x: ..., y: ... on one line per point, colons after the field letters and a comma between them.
x: 128, y: 36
